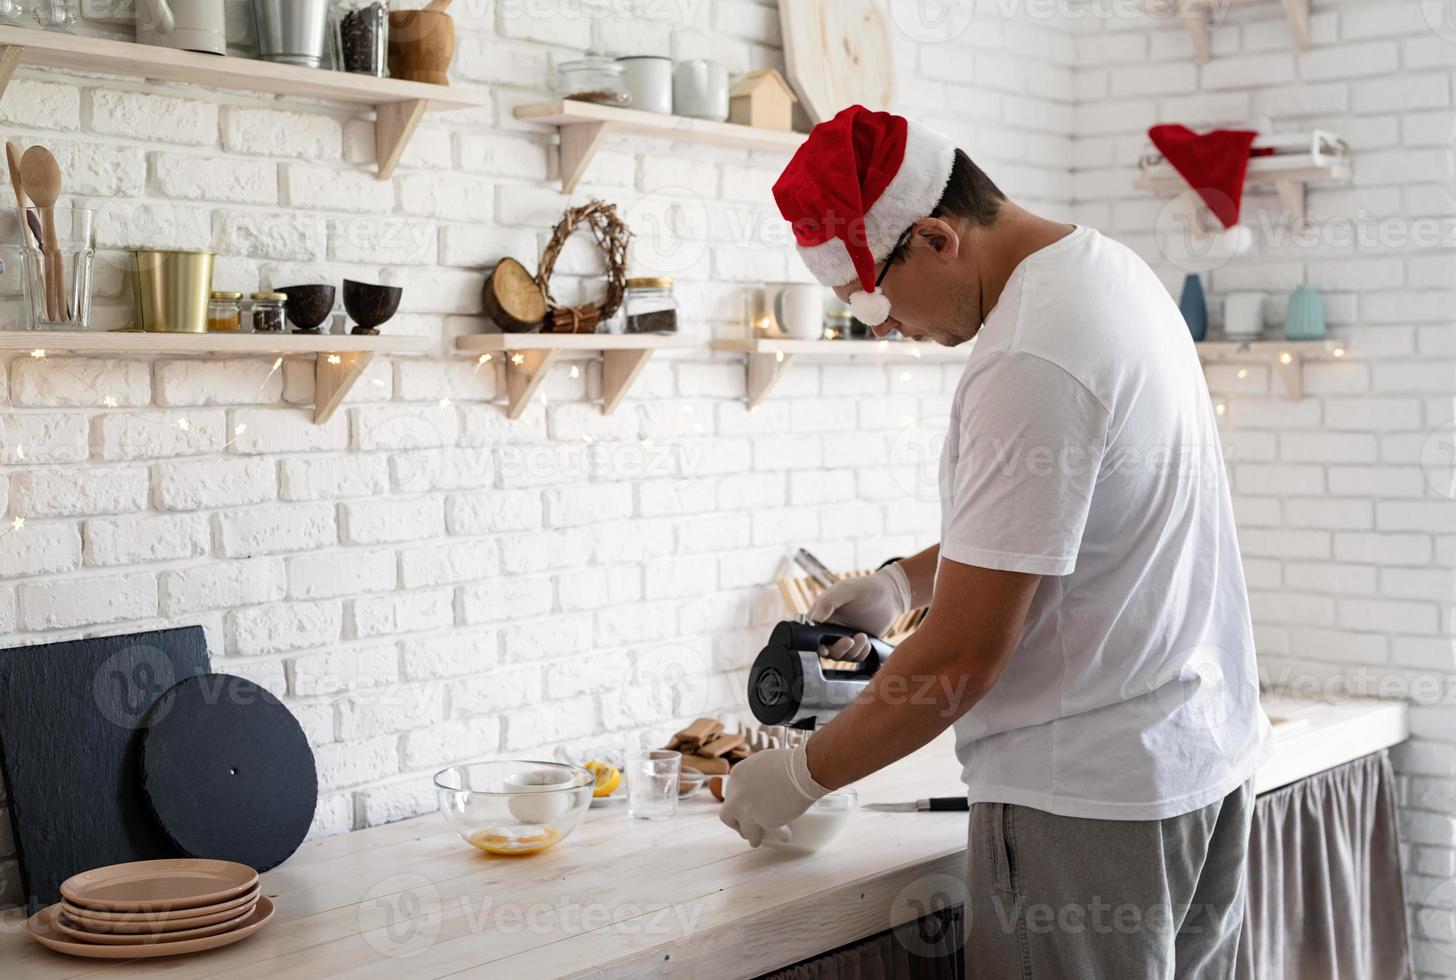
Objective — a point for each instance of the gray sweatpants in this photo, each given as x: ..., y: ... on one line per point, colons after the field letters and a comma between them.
x: 1065, y: 897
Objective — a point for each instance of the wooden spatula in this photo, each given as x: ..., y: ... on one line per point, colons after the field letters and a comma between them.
x: 438, y: 6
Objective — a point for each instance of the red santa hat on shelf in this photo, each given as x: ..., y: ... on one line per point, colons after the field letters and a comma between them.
x: 858, y: 182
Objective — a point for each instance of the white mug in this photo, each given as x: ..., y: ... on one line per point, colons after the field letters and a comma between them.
x: 1243, y: 315
x: 191, y: 25
x: 798, y: 309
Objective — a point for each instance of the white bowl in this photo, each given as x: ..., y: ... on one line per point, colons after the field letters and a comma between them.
x: 820, y: 824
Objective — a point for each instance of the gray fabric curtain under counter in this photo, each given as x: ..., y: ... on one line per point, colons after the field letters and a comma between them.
x: 928, y: 949
x: 1325, y: 895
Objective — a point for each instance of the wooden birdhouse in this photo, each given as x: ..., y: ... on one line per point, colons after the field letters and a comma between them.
x: 762, y: 99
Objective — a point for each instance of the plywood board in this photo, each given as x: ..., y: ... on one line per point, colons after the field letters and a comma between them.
x: 838, y: 55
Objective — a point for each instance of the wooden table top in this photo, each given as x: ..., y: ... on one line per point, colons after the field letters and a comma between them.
x: 620, y: 897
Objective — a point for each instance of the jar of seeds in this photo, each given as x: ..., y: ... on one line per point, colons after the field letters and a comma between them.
x: 650, y: 306
x: 364, y: 38
x: 268, y: 312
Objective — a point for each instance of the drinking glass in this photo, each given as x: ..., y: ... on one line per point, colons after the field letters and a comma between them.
x: 58, y: 275
x: 652, y: 783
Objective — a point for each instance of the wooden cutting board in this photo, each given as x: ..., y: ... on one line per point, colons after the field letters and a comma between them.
x: 838, y: 55
x: 71, y: 721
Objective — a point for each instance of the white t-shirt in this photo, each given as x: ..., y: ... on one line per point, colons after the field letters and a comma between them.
x: 1083, y: 447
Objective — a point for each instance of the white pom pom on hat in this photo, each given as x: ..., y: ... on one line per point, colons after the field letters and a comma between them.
x: 871, y: 309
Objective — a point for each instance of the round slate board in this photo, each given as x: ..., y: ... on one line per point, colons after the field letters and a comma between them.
x: 228, y: 771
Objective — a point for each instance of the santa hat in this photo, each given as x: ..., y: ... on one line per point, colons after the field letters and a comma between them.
x: 853, y: 188
x: 1214, y: 164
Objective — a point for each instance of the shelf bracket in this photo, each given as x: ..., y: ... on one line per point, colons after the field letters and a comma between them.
x: 525, y: 370
x: 1196, y: 22
x: 619, y: 369
x: 394, y: 124
x: 764, y: 371
x: 1297, y: 13
x: 1291, y: 198
x: 579, y: 143
x: 9, y: 61
x: 1291, y: 372
x: 333, y: 376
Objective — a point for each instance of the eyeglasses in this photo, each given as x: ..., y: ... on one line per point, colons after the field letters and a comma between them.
x: 901, y: 244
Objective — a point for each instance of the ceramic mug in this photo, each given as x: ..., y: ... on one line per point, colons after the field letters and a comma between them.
x: 649, y: 80
x: 700, y: 90
x: 798, y: 309
x: 1243, y: 315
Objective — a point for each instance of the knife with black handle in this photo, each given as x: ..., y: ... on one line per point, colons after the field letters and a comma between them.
x: 935, y: 803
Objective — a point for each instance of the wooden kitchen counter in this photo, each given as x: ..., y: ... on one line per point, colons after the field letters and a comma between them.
x: 626, y: 898
x: 618, y: 898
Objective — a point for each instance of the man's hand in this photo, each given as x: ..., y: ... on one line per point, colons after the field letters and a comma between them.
x: 870, y: 603
x: 766, y: 791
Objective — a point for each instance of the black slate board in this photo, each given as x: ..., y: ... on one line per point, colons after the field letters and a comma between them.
x: 228, y: 772
x: 71, y: 716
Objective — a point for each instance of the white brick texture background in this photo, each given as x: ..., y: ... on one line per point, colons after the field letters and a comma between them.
x: 425, y: 581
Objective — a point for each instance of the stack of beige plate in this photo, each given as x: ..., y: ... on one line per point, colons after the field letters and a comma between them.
x: 153, y: 908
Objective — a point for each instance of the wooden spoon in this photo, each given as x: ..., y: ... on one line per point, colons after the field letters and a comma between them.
x: 41, y: 176
x: 438, y: 6
x: 27, y: 220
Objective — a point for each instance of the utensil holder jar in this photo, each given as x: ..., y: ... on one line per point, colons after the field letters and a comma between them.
x: 57, y: 283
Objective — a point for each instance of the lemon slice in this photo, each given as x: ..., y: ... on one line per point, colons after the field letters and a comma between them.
x: 608, y: 777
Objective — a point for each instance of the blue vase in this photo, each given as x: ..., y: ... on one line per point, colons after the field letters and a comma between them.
x: 1193, y: 308
x: 1305, y: 317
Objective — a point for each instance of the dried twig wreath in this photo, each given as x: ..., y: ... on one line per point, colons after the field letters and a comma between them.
x: 613, y: 236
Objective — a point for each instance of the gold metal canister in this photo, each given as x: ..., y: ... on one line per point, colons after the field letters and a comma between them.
x: 172, y: 289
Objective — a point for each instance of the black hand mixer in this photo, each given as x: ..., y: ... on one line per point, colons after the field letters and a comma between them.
x: 791, y: 685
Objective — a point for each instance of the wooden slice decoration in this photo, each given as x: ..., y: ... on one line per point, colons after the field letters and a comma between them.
x: 228, y: 772
x: 838, y: 54
x: 513, y: 298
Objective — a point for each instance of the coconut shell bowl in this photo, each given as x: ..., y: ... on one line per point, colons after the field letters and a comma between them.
x: 308, y: 307
x: 370, y: 305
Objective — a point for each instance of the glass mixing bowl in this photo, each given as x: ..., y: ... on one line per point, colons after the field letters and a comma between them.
x: 514, y: 808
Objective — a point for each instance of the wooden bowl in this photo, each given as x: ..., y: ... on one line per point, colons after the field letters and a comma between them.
x: 369, y: 305
x: 308, y: 306
x: 421, y: 45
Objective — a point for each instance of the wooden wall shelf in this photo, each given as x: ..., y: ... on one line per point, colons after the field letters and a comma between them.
x: 769, y: 357
x: 398, y: 105
x: 1299, y: 160
x: 1286, y: 356
x: 584, y: 125
x: 1198, y: 17
x: 339, y: 359
x: 528, y: 356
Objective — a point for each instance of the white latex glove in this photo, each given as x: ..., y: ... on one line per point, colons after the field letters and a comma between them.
x: 766, y: 791
x: 867, y: 602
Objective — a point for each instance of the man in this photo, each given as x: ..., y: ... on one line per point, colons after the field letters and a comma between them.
x: 1088, y: 631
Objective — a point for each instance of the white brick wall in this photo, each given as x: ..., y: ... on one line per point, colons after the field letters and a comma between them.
x: 426, y: 581
x: 1349, y: 546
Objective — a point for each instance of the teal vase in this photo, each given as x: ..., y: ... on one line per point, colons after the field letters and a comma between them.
x: 1305, y: 317
x: 1193, y: 307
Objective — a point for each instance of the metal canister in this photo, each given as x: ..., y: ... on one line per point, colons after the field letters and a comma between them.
x: 172, y: 289
x: 292, y: 32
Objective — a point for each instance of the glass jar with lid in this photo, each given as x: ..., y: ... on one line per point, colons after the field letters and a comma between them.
x: 650, y: 306
x: 225, y: 312
x: 268, y: 312
x: 599, y: 80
